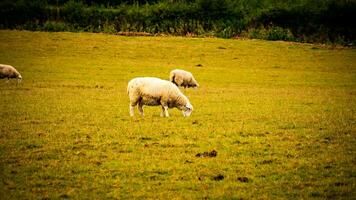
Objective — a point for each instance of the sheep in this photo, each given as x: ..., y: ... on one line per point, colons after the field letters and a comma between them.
x: 7, y: 71
x: 183, y: 78
x: 152, y: 91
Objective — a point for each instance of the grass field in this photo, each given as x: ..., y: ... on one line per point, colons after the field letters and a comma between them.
x: 281, y: 116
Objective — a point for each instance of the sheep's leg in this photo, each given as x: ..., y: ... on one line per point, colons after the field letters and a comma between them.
x: 140, y: 108
x: 132, y: 110
x: 165, y: 110
x: 134, y: 100
x: 162, y: 113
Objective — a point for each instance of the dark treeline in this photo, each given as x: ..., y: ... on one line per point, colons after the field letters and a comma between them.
x: 327, y: 21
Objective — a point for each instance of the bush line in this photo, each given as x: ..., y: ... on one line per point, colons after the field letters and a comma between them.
x: 329, y: 21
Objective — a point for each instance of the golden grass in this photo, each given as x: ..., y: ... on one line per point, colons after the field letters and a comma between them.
x: 280, y: 115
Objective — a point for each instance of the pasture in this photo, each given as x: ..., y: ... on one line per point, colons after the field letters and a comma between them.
x: 281, y: 117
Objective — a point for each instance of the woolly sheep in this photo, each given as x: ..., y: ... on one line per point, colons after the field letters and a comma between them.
x: 152, y: 91
x: 7, y: 71
x: 183, y: 78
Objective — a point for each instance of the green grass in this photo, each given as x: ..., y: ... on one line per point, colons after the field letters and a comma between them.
x: 280, y: 115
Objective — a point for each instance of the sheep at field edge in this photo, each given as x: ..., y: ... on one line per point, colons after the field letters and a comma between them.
x: 183, y: 78
x: 7, y: 71
x: 152, y: 91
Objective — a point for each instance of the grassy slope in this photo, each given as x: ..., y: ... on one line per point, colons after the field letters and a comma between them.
x: 280, y: 114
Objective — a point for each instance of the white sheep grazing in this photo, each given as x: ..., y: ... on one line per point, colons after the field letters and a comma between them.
x: 7, y: 71
x: 154, y: 92
x: 183, y: 78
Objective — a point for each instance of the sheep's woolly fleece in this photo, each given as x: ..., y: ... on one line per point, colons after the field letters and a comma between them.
x: 152, y: 91
x: 183, y: 78
x: 8, y: 71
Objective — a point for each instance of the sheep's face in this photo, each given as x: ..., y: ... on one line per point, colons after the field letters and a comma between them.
x: 187, y: 110
x: 19, y: 78
x: 193, y: 83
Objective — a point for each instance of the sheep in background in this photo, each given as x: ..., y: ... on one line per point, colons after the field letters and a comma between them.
x: 154, y: 92
x: 183, y: 78
x: 7, y: 71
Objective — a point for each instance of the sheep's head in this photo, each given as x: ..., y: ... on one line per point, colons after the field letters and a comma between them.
x: 187, y: 110
x: 19, y: 78
x: 196, y: 85
x: 193, y: 83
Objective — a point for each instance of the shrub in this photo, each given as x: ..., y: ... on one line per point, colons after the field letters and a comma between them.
x: 278, y: 33
x: 55, y: 26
